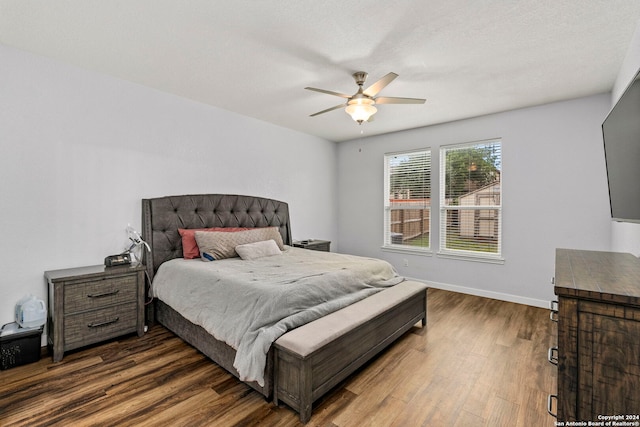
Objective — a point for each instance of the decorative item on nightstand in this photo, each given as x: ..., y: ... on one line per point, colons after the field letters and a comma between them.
x: 132, y: 252
x: 117, y: 260
x: 135, y: 246
x: 313, y: 244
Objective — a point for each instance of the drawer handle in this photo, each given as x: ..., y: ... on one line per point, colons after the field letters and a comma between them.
x: 552, y: 355
x: 550, y: 399
x: 554, y: 311
x: 108, y: 322
x: 104, y: 294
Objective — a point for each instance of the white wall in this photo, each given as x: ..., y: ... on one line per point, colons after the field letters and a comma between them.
x: 554, y: 193
x: 78, y: 151
x: 625, y: 237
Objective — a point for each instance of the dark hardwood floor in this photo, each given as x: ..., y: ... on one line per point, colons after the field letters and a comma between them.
x: 478, y: 362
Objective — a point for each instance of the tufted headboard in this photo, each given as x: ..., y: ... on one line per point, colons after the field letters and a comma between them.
x: 162, y: 216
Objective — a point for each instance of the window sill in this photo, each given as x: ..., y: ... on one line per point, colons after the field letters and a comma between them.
x: 490, y: 259
x: 407, y: 250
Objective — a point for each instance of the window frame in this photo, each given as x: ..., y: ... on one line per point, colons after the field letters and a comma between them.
x: 388, y: 244
x: 445, y: 207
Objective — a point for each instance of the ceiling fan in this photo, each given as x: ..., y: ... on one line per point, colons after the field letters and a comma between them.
x: 360, y: 106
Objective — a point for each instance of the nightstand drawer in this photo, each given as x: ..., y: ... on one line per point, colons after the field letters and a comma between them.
x: 97, y: 325
x: 320, y: 246
x: 100, y: 293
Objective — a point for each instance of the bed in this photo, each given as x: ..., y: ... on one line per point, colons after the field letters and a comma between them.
x: 161, y: 220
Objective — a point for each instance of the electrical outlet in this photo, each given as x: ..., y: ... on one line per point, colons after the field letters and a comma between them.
x: 405, y: 262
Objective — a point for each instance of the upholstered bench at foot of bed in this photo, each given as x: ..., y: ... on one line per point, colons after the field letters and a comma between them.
x: 312, y: 359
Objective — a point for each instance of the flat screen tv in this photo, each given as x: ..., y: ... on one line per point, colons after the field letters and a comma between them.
x: 621, y: 132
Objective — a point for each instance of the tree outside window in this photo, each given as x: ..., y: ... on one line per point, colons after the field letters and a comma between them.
x: 471, y: 199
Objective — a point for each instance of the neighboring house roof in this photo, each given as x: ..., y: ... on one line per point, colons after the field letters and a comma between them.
x: 482, y: 189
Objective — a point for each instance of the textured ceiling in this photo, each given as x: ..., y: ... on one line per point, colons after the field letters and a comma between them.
x: 468, y: 58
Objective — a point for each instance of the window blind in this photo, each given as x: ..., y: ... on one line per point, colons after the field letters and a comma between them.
x: 471, y: 199
x: 407, y: 207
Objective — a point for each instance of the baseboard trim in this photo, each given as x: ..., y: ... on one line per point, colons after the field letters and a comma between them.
x: 484, y: 293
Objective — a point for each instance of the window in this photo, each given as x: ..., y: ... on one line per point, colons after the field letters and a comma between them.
x: 471, y: 199
x: 407, y: 200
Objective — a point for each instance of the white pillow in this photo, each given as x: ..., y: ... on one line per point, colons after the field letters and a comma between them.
x: 257, y: 250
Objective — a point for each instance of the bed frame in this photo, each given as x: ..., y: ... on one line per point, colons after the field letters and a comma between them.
x: 161, y: 218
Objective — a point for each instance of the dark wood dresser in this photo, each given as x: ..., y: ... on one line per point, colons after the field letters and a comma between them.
x: 92, y: 304
x: 598, y: 353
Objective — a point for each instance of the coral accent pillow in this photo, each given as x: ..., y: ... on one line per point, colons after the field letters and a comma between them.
x: 190, y: 248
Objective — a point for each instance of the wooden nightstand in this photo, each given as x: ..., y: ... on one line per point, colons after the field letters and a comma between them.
x: 315, y: 245
x: 92, y: 304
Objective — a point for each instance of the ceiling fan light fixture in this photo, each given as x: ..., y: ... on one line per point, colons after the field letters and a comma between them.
x: 360, y: 106
x: 361, y: 109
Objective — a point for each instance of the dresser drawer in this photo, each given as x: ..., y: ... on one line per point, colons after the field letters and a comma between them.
x: 97, y: 325
x: 99, y: 293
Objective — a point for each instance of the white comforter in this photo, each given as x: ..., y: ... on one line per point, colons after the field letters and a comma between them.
x: 249, y: 304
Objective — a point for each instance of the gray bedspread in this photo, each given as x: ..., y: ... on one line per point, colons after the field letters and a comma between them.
x: 250, y: 304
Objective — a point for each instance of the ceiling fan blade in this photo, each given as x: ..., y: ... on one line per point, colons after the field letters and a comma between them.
x: 380, y: 84
x: 329, y: 92
x: 393, y: 100
x: 327, y: 110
